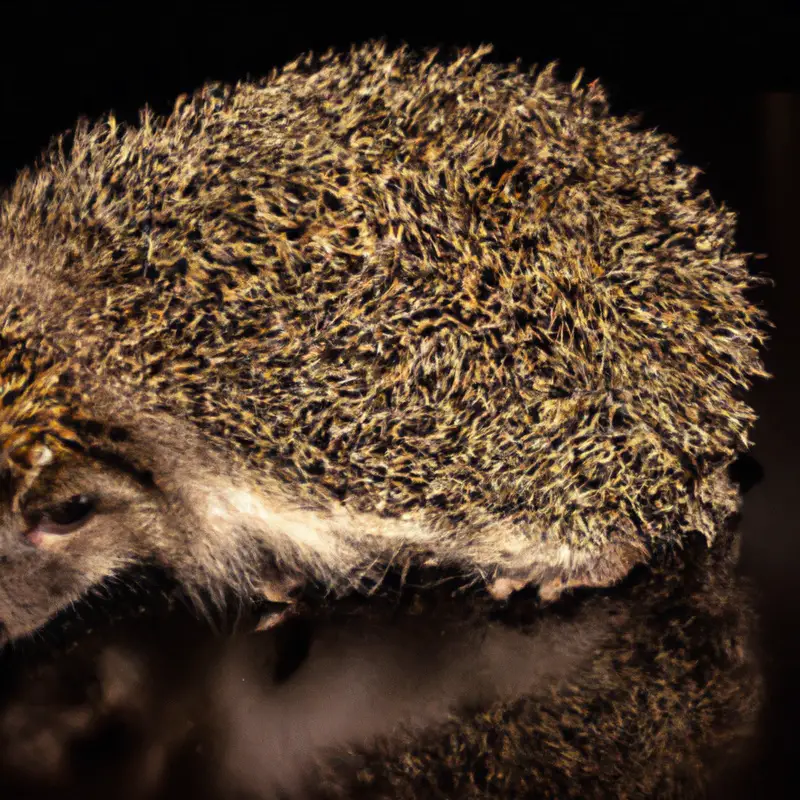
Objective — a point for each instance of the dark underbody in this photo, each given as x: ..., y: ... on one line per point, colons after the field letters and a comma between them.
x: 646, y: 689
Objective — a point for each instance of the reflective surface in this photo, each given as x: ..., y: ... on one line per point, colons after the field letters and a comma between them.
x: 154, y: 700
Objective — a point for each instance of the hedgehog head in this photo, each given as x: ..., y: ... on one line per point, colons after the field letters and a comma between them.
x: 74, y: 509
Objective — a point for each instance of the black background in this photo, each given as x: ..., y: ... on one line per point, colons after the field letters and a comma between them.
x: 725, y: 82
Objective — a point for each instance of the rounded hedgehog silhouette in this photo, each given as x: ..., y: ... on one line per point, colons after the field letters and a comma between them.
x: 376, y: 309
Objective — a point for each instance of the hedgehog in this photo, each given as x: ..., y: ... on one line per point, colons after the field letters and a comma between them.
x: 378, y: 309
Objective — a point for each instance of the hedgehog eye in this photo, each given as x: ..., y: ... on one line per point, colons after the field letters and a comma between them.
x: 62, y: 517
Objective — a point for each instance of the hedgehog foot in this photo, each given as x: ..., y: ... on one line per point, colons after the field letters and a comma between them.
x: 280, y: 590
x: 502, y: 588
x: 598, y: 572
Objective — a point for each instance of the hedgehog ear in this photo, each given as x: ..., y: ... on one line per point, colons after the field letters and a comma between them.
x: 38, y: 457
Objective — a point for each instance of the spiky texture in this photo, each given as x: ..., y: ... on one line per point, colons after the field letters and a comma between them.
x: 457, y: 292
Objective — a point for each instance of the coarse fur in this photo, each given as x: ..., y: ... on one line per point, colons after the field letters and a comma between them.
x: 373, y: 308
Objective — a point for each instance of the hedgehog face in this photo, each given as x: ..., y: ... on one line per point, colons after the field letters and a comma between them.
x: 68, y: 522
x: 82, y: 498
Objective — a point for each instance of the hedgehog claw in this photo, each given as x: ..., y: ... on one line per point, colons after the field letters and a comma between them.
x: 280, y: 591
x: 274, y: 618
x: 502, y: 588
